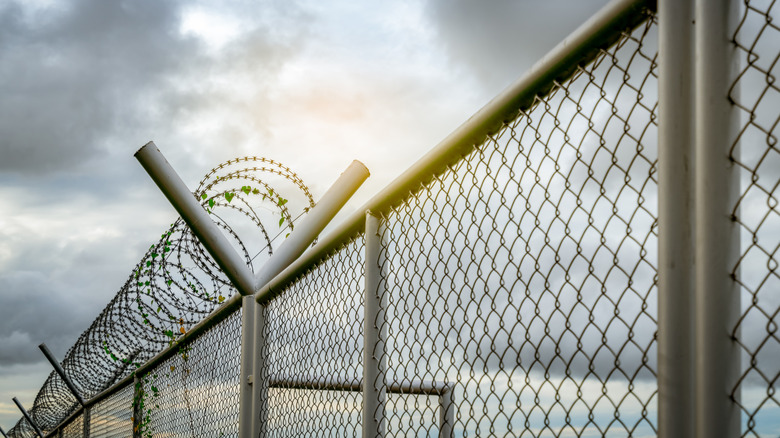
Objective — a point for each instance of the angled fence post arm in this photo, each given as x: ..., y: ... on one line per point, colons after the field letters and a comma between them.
x: 2, y: 432
x: 252, y: 398
x: 58, y: 368
x: 28, y: 417
x: 196, y: 218
x: 313, y: 222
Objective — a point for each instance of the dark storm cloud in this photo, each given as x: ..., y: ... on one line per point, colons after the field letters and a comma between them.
x: 516, y: 33
x: 70, y: 76
x: 34, y: 309
x: 77, y: 77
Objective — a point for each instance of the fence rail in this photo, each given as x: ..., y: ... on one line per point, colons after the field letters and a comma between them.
x: 521, y: 278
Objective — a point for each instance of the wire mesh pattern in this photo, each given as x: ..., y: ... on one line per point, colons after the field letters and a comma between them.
x: 75, y: 429
x: 526, y: 274
x: 314, y: 344
x: 756, y: 98
x: 112, y: 417
x: 196, y: 392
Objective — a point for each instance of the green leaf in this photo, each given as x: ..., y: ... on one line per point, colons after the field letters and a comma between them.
x: 281, y: 221
x: 256, y: 192
x: 229, y: 196
x: 281, y: 202
x: 211, y: 203
x: 203, y: 195
x: 246, y: 189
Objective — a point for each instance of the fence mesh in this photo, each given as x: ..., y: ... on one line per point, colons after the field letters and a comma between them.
x: 75, y: 429
x: 756, y: 98
x: 196, y: 391
x: 525, y: 275
x: 112, y: 417
x: 314, y: 350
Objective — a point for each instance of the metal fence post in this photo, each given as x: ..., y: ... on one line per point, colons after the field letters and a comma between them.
x: 717, y: 236
x: 87, y: 417
x: 261, y: 376
x: 245, y: 422
x: 2, y: 432
x: 374, y: 385
x: 676, y: 268
x: 28, y: 417
x: 446, y: 413
x: 58, y: 368
x: 137, y: 407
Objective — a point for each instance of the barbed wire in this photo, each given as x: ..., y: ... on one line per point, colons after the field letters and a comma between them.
x: 176, y: 283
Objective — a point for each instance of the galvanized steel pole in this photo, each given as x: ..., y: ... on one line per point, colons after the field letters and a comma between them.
x: 58, y: 368
x: 717, y: 235
x: 3, y: 432
x: 28, y: 417
x: 374, y: 384
x: 676, y: 268
x: 248, y: 340
x: 260, y: 374
x: 138, y: 412
x: 86, y: 416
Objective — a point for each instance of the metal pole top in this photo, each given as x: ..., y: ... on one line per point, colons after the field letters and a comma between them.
x: 28, y: 417
x: 58, y: 368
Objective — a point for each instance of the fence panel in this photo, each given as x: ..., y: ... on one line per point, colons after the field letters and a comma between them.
x: 195, y: 392
x: 112, y: 417
x: 74, y: 429
x: 526, y: 274
x: 314, y: 344
x: 756, y: 98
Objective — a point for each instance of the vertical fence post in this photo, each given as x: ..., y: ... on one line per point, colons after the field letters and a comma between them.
x: 717, y: 236
x: 248, y: 340
x: 374, y: 385
x: 446, y: 413
x: 138, y: 412
x: 28, y: 417
x: 87, y: 417
x: 676, y: 268
x: 260, y: 388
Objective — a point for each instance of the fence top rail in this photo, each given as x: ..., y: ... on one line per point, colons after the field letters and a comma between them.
x: 581, y: 47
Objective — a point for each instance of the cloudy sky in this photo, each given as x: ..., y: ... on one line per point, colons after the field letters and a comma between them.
x: 313, y: 84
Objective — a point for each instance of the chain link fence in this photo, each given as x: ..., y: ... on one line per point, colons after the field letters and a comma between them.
x: 517, y: 289
x: 314, y: 344
x: 756, y: 98
x: 195, y: 392
x: 525, y: 275
x: 111, y: 418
